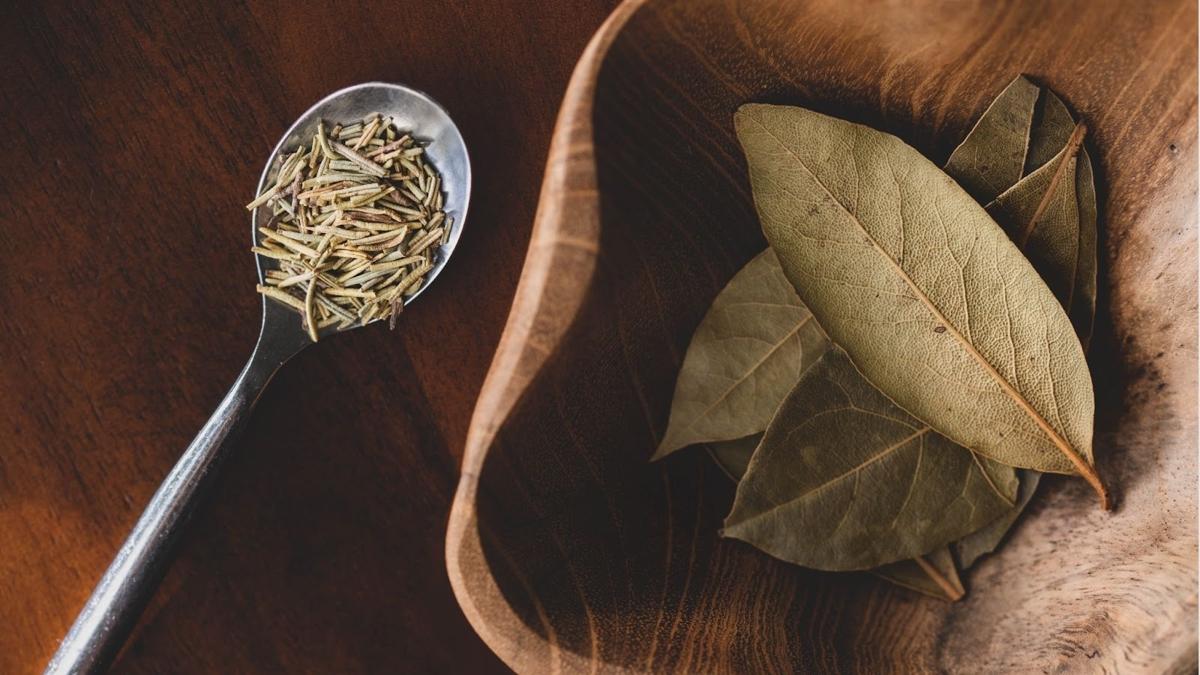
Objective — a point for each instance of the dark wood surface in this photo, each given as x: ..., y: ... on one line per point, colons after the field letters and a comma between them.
x: 569, y: 550
x: 135, y: 133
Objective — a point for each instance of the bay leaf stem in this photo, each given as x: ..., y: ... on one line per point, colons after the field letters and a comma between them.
x: 953, y: 593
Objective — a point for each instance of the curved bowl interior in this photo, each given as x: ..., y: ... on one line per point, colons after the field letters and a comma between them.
x: 589, y: 556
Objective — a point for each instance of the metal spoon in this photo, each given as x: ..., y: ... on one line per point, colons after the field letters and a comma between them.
x: 131, y: 578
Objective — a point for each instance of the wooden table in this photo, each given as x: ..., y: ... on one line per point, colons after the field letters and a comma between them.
x: 135, y: 133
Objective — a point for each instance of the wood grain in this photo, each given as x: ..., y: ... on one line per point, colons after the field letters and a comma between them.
x: 136, y: 132
x: 569, y: 552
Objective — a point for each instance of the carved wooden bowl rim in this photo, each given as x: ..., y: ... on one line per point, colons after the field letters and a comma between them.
x: 534, y: 326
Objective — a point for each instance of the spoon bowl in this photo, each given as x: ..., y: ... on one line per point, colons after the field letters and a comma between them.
x: 131, y: 578
x: 412, y: 111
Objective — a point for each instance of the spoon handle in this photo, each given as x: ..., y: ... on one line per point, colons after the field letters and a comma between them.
x: 118, y: 600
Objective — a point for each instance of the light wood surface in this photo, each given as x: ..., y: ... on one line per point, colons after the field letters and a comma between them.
x: 569, y: 552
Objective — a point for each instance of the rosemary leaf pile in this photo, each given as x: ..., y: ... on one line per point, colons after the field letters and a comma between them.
x: 356, y: 220
x: 889, y: 379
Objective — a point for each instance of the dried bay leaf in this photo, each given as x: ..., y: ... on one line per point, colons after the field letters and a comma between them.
x: 991, y: 158
x: 1051, y: 128
x: 1074, y: 218
x: 1051, y: 216
x: 734, y: 456
x: 1082, y: 301
x: 1016, y: 106
x: 1070, y: 269
x: 933, y: 574
x: 844, y: 479
x: 932, y: 301
x: 1062, y: 247
x: 1052, y: 125
x: 1057, y: 125
x: 746, y: 354
x: 971, y: 547
x: 1022, y: 129
x: 1025, y: 133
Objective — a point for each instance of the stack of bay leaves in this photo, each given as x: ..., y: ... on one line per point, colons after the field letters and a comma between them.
x: 889, y: 379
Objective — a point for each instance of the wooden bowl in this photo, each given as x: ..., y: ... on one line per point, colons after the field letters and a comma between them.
x: 569, y: 551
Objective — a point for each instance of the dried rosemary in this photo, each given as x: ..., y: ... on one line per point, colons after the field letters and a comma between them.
x: 356, y: 221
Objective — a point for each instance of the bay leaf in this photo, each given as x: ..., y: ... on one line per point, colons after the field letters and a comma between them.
x: 746, y: 354
x: 734, y: 456
x: 1083, y: 299
x: 933, y: 574
x: 1033, y: 123
x: 991, y: 158
x: 1015, y: 110
x: 971, y: 547
x: 1051, y: 216
x: 844, y: 479
x: 1022, y: 129
x: 866, y: 229
x: 1051, y: 128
